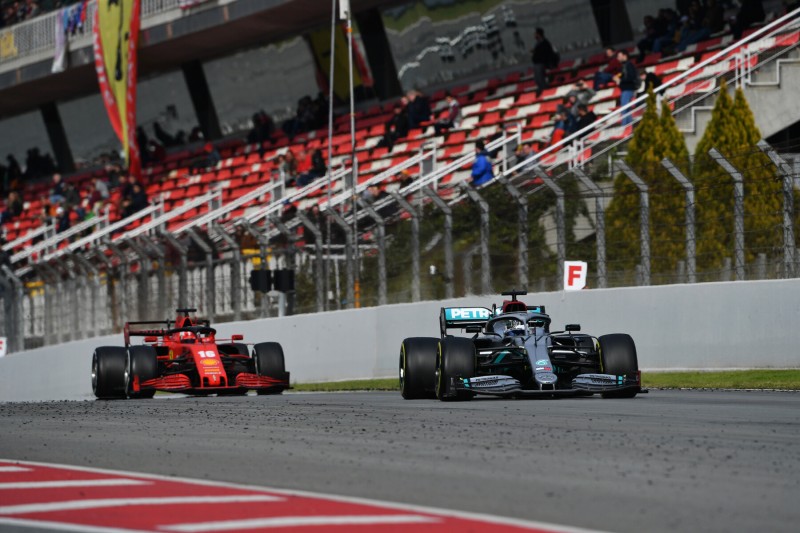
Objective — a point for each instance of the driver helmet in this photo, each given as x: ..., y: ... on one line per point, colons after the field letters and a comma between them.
x: 186, y: 337
x: 516, y: 330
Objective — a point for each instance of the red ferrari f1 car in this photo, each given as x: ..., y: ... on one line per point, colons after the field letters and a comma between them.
x: 186, y: 357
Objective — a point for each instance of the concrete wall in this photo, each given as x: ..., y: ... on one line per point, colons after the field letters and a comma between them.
x: 710, y: 325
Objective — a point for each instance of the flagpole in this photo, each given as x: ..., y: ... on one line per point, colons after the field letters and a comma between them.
x: 331, y: 64
x: 353, y: 161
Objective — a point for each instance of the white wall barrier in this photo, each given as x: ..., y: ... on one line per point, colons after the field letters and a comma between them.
x: 704, y: 326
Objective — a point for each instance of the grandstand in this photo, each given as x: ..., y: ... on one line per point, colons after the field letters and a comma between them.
x: 144, y: 257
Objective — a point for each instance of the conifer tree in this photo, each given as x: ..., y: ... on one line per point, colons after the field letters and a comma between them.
x: 732, y: 131
x: 654, y: 138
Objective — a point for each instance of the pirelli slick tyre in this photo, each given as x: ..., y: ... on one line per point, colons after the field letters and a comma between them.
x: 618, y: 357
x: 109, y: 372
x: 268, y: 361
x: 418, y: 367
x: 142, y: 366
x: 456, y: 359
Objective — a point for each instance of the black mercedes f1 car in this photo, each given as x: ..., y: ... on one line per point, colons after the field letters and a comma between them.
x: 513, y: 353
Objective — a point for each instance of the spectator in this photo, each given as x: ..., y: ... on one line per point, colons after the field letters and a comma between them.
x: 211, y: 158
x: 523, y: 154
x: 585, y: 118
x: 102, y: 188
x: 543, y: 57
x: 453, y: 118
x: 482, y: 166
x: 287, y: 165
x: 163, y: 137
x: 693, y: 29
x: 419, y: 109
x: 62, y: 220
x: 136, y: 202
x: 317, y: 169
x: 13, y: 209
x: 750, y: 12
x: 396, y: 127
x: 559, y: 127
x: 57, y: 191
x: 13, y: 169
x: 649, y: 79
x: 263, y: 128
x: 628, y: 84
x: 609, y: 71
x: 583, y: 94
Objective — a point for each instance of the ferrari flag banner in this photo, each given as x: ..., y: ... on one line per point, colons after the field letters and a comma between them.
x: 116, y: 37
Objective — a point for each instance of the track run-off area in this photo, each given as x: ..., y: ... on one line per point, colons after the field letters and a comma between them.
x: 664, y: 461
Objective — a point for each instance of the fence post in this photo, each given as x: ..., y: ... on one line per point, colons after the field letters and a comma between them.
x: 644, y: 219
x: 415, y: 281
x: 236, y: 270
x: 319, y: 266
x: 94, y: 289
x: 447, y: 211
x: 381, y: 241
x: 561, y: 241
x: 157, y: 253
x: 486, y: 273
x: 522, y: 230
x: 53, y: 312
x: 787, y: 175
x: 182, y: 251
x: 211, y: 290
x: 466, y: 266
x: 292, y: 238
x: 691, y: 243
x: 144, y: 279
x: 738, y: 212
x: 123, y: 284
x: 594, y: 191
x: 17, y: 329
x: 348, y: 252
x: 105, y: 301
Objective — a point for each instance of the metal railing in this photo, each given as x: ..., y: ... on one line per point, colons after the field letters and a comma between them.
x: 37, y: 35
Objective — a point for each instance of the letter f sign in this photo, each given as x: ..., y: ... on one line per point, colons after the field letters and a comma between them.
x: 575, y: 275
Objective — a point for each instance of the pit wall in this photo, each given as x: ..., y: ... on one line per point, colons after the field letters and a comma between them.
x: 704, y: 326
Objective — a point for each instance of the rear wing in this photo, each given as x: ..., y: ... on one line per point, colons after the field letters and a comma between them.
x: 462, y: 317
x: 167, y: 326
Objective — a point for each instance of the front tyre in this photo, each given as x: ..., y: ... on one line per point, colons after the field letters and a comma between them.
x: 109, y: 372
x: 456, y: 360
x: 618, y: 357
x: 418, y: 367
x: 142, y: 366
x: 268, y: 360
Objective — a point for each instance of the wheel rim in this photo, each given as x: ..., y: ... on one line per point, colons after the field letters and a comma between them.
x: 439, y: 384
x: 402, y: 369
x: 94, y: 373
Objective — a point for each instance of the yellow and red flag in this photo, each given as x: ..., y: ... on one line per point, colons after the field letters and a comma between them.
x: 116, y: 38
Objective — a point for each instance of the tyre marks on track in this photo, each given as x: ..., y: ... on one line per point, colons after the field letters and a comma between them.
x: 62, y: 497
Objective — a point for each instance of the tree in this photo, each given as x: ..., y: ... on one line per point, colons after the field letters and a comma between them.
x: 654, y: 138
x: 732, y: 131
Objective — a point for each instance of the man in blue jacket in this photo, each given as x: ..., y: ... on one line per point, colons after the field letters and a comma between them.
x: 482, y: 167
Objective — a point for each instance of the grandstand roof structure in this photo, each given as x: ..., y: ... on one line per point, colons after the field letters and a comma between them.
x: 170, y: 37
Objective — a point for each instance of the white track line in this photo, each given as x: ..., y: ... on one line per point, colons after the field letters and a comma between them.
x: 79, y: 505
x: 437, y: 512
x: 4, y: 469
x: 70, y: 483
x: 301, y: 521
x: 45, y: 525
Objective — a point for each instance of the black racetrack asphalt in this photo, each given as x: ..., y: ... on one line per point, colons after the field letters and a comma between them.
x: 664, y: 461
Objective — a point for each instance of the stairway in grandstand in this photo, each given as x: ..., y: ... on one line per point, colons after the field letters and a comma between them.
x: 499, y: 106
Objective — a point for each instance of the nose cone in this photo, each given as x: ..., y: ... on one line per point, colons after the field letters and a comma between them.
x: 545, y: 378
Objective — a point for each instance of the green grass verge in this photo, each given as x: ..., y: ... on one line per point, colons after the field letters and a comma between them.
x: 729, y: 379
x: 732, y: 379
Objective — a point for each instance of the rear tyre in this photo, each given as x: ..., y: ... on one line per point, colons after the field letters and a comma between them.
x: 456, y: 360
x: 109, y: 372
x: 142, y: 366
x: 618, y: 357
x: 269, y: 362
x: 418, y: 367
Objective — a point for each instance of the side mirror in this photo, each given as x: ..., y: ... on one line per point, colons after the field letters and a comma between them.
x: 572, y: 327
x: 473, y: 329
x: 151, y: 339
x: 237, y: 337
